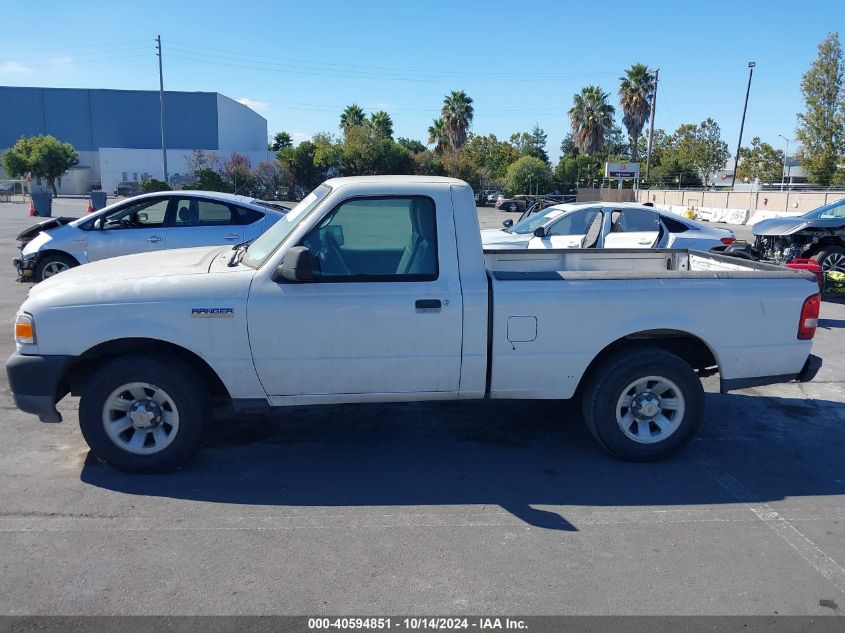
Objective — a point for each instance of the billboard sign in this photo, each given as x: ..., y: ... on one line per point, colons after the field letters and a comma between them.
x: 621, y: 170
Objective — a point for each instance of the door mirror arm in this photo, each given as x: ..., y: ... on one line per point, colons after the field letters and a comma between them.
x: 298, y: 266
x: 539, y: 232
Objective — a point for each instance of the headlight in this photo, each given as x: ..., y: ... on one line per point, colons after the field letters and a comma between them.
x: 25, y: 329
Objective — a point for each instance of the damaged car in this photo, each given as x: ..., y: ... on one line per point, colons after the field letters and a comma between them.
x: 148, y: 222
x: 818, y: 235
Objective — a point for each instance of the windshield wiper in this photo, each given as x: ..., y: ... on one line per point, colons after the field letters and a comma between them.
x: 233, y: 260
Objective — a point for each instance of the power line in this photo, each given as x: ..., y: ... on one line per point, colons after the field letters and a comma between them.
x: 311, y: 64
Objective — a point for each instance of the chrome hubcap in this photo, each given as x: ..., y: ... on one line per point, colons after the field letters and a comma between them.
x: 140, y: 418
x: 835, y: 262
x: 650, y: 409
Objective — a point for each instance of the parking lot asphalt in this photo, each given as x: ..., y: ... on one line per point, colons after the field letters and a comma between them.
x: 433, y: 508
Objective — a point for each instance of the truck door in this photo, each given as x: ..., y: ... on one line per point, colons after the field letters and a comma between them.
x: 384, y: 314
x: 632, y: 228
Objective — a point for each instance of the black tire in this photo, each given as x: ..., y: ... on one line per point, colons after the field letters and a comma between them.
x: 182, y: 384
x: 609, y: 380
x: 829, y: 251
x: 48, y: 262
x: 514, y: 207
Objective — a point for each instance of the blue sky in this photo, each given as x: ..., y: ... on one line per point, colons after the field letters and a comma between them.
x: 299, y: 63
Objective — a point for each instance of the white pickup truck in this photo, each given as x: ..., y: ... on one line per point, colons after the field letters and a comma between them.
x: 376, y: 289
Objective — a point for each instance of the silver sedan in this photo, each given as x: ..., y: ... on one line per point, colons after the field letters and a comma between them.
x: 605, y: 225
x: 153, y: 221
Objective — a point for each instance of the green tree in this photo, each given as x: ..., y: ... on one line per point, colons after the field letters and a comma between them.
x: 760, y: 161
x: 701, y: 147
x: 151, y: 185
x: 382, y: 123
x: 531, y: 143
x: 591, y: 116
x: 299, y: 169
x: 352, y: 116
x: 567, y: 146
x: 412, y: 145
x: 490, y: 157
x: 528, y: 175
x: 437, y: 135
x: 281, y: 140
x: 821, y: 127
x: 457, y: 113
x: 209, y: 180
x: 44, y: 156
x: 635, y: 94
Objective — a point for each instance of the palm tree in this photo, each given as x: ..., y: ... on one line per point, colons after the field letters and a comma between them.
x: 352, y: 116
x: 457, y: 115
x: 437, y: 135
x: 635, y: 93
x: 382, y: 123
x: 591, y: 116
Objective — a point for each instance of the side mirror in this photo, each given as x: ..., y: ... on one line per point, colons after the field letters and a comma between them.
x: 507, y: 223
x: 98, y: 224
x: 539, y: 232
x: 298, y: 265
x: 142, y: 217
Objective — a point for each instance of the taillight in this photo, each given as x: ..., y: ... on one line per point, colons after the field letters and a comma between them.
x: 728, y: 240
x: 809, y: 317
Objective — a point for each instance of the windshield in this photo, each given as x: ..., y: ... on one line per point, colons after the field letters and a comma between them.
x: 535, y: 221
x: 261, y: 248
x: 828, y: 211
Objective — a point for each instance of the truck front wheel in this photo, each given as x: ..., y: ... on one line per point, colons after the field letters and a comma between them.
x: 143, y: 415
x: 643, y: 404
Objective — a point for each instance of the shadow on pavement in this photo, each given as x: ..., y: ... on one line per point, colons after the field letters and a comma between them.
x: 516, y: 455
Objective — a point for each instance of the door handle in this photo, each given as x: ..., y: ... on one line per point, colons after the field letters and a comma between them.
x: 154, y: 238
x: 231, y: 236
x: 427, y: 304
x: 645, y: 242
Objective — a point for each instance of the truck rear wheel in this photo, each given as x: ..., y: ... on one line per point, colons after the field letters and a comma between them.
x: 643, y: 404
x: 144, y: 415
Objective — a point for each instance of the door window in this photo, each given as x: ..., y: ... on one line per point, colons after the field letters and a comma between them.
x: 198, y: 212
x: 577, y: 223
x: 146, y: 214
x: 634, y: 221
x: 377, y: 239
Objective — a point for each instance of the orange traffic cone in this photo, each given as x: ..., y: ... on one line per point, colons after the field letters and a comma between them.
x: 32, y: 211
x: 90, y: 206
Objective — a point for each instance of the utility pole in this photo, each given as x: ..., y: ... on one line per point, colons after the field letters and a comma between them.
x: 161, y: 108
x: 751, y: 66
x: 651, y: 125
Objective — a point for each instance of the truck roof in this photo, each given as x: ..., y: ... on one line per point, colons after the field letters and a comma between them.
x: 354, y: 180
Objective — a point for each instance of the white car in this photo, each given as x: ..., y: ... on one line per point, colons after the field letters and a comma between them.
x: 605, y: 225
x: 149, y: 222
x: 375, y: 289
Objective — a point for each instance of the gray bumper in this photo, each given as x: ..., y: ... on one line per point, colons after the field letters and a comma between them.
x: 811, y: 367
x: 34, y: 382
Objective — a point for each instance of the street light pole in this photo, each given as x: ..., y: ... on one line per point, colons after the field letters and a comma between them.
x: 751, y: 66
x: 785, y: 156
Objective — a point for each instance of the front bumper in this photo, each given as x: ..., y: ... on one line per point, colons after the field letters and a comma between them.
x: 811, y: 367
x: 25, y: 265
x: 34, y: 382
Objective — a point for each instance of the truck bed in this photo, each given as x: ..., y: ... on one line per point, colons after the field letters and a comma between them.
x: 544, y: 335
x: 580, y: 264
